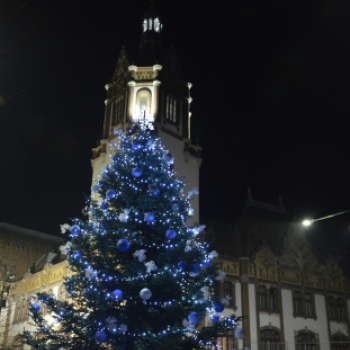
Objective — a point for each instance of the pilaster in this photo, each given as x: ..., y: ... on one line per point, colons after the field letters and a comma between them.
x: 245, y: 300
x: 131, y: 93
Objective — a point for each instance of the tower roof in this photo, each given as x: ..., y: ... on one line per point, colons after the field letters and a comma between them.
x: 152, y: 12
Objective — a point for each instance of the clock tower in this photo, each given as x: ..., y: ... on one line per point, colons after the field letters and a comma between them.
x: 155, y: 87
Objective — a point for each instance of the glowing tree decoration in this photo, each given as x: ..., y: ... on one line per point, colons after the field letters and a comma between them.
x: 145, y: 120
x: 139, y: 277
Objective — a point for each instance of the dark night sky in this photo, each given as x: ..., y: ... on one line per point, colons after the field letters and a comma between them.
x: 271, y: 103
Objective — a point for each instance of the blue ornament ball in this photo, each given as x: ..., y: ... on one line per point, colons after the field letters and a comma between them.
x: 155, y: 193
x: 75, y: 229
x: 37, y: 306
x: 214, y: 318
x: 218, y: 307
x: 77, y: 255
x: 193, y: 317
x: 96, y: 188
x: 118, y: 294
x: 181, y: 265
x: 111, y: 194
x: 196, y: 268
x: 137, y: 145
x: 136, y: 172
x: 149, y: 217
x: 91, y: 226
x: 123, y: 245
x: 175, y: 207
x: 104, y: 205
x: 170, y: 234
x: 101, y: 336
x: 207, y: 263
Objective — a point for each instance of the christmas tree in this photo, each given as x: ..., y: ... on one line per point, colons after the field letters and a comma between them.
x: 139, y: 276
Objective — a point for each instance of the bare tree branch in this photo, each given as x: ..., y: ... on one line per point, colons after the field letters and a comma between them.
x: 16, y: 40
x: 4, y: 16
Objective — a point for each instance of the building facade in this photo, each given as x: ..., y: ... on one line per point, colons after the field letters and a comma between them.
x: 289, y: 295
x: 22, y: 252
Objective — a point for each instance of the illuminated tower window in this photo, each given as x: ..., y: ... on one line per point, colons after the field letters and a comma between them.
x: 150, y: 24
x: 171, y: 108
x: 143, y: 102
x: 144, y: 25
x: 157, y: 25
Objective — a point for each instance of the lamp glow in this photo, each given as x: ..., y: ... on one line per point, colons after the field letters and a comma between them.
x: 307, y: 222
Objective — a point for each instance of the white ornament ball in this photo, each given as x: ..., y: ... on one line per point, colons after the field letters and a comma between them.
x: 239, y: 333
x: 123, y: 328
x: 145, y: 294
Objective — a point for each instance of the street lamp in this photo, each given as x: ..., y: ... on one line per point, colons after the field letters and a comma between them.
x: 308, y: 222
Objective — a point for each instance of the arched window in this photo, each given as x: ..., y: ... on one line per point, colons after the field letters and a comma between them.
x: 143, y: 102
x: 17, y: 344
x: 273, y: 299
x: 144, y: 25
x: 157, y: 25
x: 340, y: 343
x: 270, y: 340
x: 330, y: 303
x: 150, y: 24
x: 262, y: 297
x: 305, y: 341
